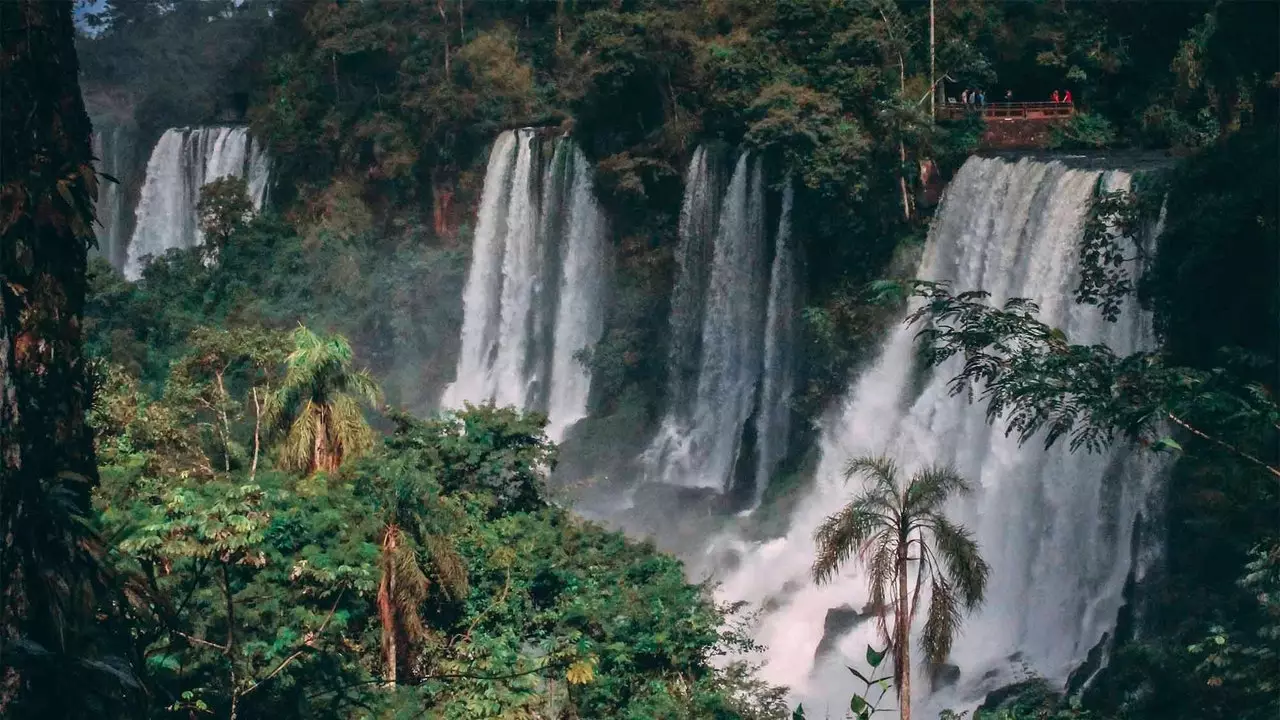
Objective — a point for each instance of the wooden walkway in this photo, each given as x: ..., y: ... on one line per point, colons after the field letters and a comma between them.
x: 1009, y: 111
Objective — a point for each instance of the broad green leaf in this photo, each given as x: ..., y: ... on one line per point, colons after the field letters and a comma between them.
x: 798, y: 713
x: 875, y: 657
x: 858, y: 705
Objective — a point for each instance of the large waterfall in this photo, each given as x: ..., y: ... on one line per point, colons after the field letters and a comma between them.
x: 182, y: 162
x: 731, y: 324
x: 1056, y: 527
x: 534, y: 294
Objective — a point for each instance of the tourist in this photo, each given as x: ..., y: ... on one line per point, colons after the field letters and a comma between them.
x: 982, y: 98
x: 1008, y: 96
x: 1054, y: 96
x: 964, y: 97
x: 1067, y: 97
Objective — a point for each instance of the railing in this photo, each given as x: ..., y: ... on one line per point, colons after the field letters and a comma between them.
x: 1020, y: 111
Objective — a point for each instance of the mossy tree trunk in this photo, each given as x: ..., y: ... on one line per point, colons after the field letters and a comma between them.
x: 47, y: 470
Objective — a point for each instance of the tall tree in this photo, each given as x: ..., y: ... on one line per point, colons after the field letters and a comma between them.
x: 318, y: 404
x: 893, y: 526
x: 51, y: 645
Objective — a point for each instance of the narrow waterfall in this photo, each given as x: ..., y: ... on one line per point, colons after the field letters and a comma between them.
x: 534, y: 294
x: 699, y: 442
x: 773, y: 417
x: 580, y: 312
x: 699, y: 213
x: 113, y: 146
x: 182, y: 162
x: 1056, y: 527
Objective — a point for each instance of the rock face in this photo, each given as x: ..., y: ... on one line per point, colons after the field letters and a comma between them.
x: 839, y: 621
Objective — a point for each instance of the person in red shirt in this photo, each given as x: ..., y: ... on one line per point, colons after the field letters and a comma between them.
x: 1054, y: 96
x: 1067, y: 98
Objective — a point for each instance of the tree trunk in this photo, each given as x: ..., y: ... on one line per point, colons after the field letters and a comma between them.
x: 386, y: 607
x: 257, y: 434
x: 444, y: 18
x: 47, y: 185
x: 933, y: 71
x: 902, y: 626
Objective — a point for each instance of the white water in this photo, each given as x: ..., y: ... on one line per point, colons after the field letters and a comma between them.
x: 702, y: 451
x: 774, y: 415
x: 182, y: 162
x: 580, y: 312
x: 1056, y: 527
x: 112, y: 146
x: 534, y: 293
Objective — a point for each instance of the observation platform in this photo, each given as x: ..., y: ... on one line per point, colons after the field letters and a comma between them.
x: 1010, y: 111
x: 1013, y: 126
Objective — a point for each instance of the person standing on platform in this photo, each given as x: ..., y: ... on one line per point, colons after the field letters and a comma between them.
x: 1054, y: 97
x: 1067, y: 97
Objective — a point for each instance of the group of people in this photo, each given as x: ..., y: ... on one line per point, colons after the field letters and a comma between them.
x: 976, y: 97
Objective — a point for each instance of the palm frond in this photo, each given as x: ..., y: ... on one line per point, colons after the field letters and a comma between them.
x: 930, y: 488
x: 362, y: 385
x: 962, y: 564
x: 944, y: 619
x: 838, y: 538
x: 347, y: 427
x: 410, y: 587
x: 295, y: 450
x: 449, y: 566
x: 881, y: 470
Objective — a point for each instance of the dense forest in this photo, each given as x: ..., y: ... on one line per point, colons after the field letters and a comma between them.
x: 227, y: 491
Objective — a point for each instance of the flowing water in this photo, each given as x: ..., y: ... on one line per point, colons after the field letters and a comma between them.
x: 738, y: 364
x: 535, y: 289
x: 1056, y: 527
x: 113, y: 147
x: 182, y: 162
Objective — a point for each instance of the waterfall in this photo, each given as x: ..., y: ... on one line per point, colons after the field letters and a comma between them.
x: 774, y: 414
x: 699, y: 443
x: 698, y: 217
x: 113, y: 147
x: 1055, y: 526
x: 182, y: 162
x: 580, y: 313
x: 534, y: 293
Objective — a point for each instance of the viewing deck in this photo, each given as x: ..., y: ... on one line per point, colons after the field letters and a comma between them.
x: 1010, y: 111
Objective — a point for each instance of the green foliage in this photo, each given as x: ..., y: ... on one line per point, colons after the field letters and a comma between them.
x: 224, y: 207
x: 1082, y: 131
x: 1033, y: 379
x: 317, y: 405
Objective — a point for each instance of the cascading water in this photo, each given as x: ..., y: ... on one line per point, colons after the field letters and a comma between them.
x: 1055, y: 526
x: 774, y: 414
x: 738, y: 362
x: 534, y: 294
x: 580, y: 312
x: 182, y: 162
x: 113, y: 146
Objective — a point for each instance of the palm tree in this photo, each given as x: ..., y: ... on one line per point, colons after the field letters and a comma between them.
x: 317, y: 406
x: 415, y: 540
x: 890, y: 526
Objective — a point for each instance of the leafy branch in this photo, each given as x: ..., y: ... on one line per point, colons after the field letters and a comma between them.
x: 1034, y: 379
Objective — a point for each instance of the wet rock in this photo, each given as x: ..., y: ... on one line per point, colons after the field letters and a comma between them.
x: 838, y: 623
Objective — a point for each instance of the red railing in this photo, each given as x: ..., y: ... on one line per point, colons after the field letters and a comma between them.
x: 1020, y: 111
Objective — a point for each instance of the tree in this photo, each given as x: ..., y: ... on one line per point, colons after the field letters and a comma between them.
x: 317, y: 405
x: 217, y: 358
x: 885, y: 524
x: 414, y: 542
x: 224, y: 207
x: 50, y: 577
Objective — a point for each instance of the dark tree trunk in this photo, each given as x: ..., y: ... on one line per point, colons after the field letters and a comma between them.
x: 47, y: 470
